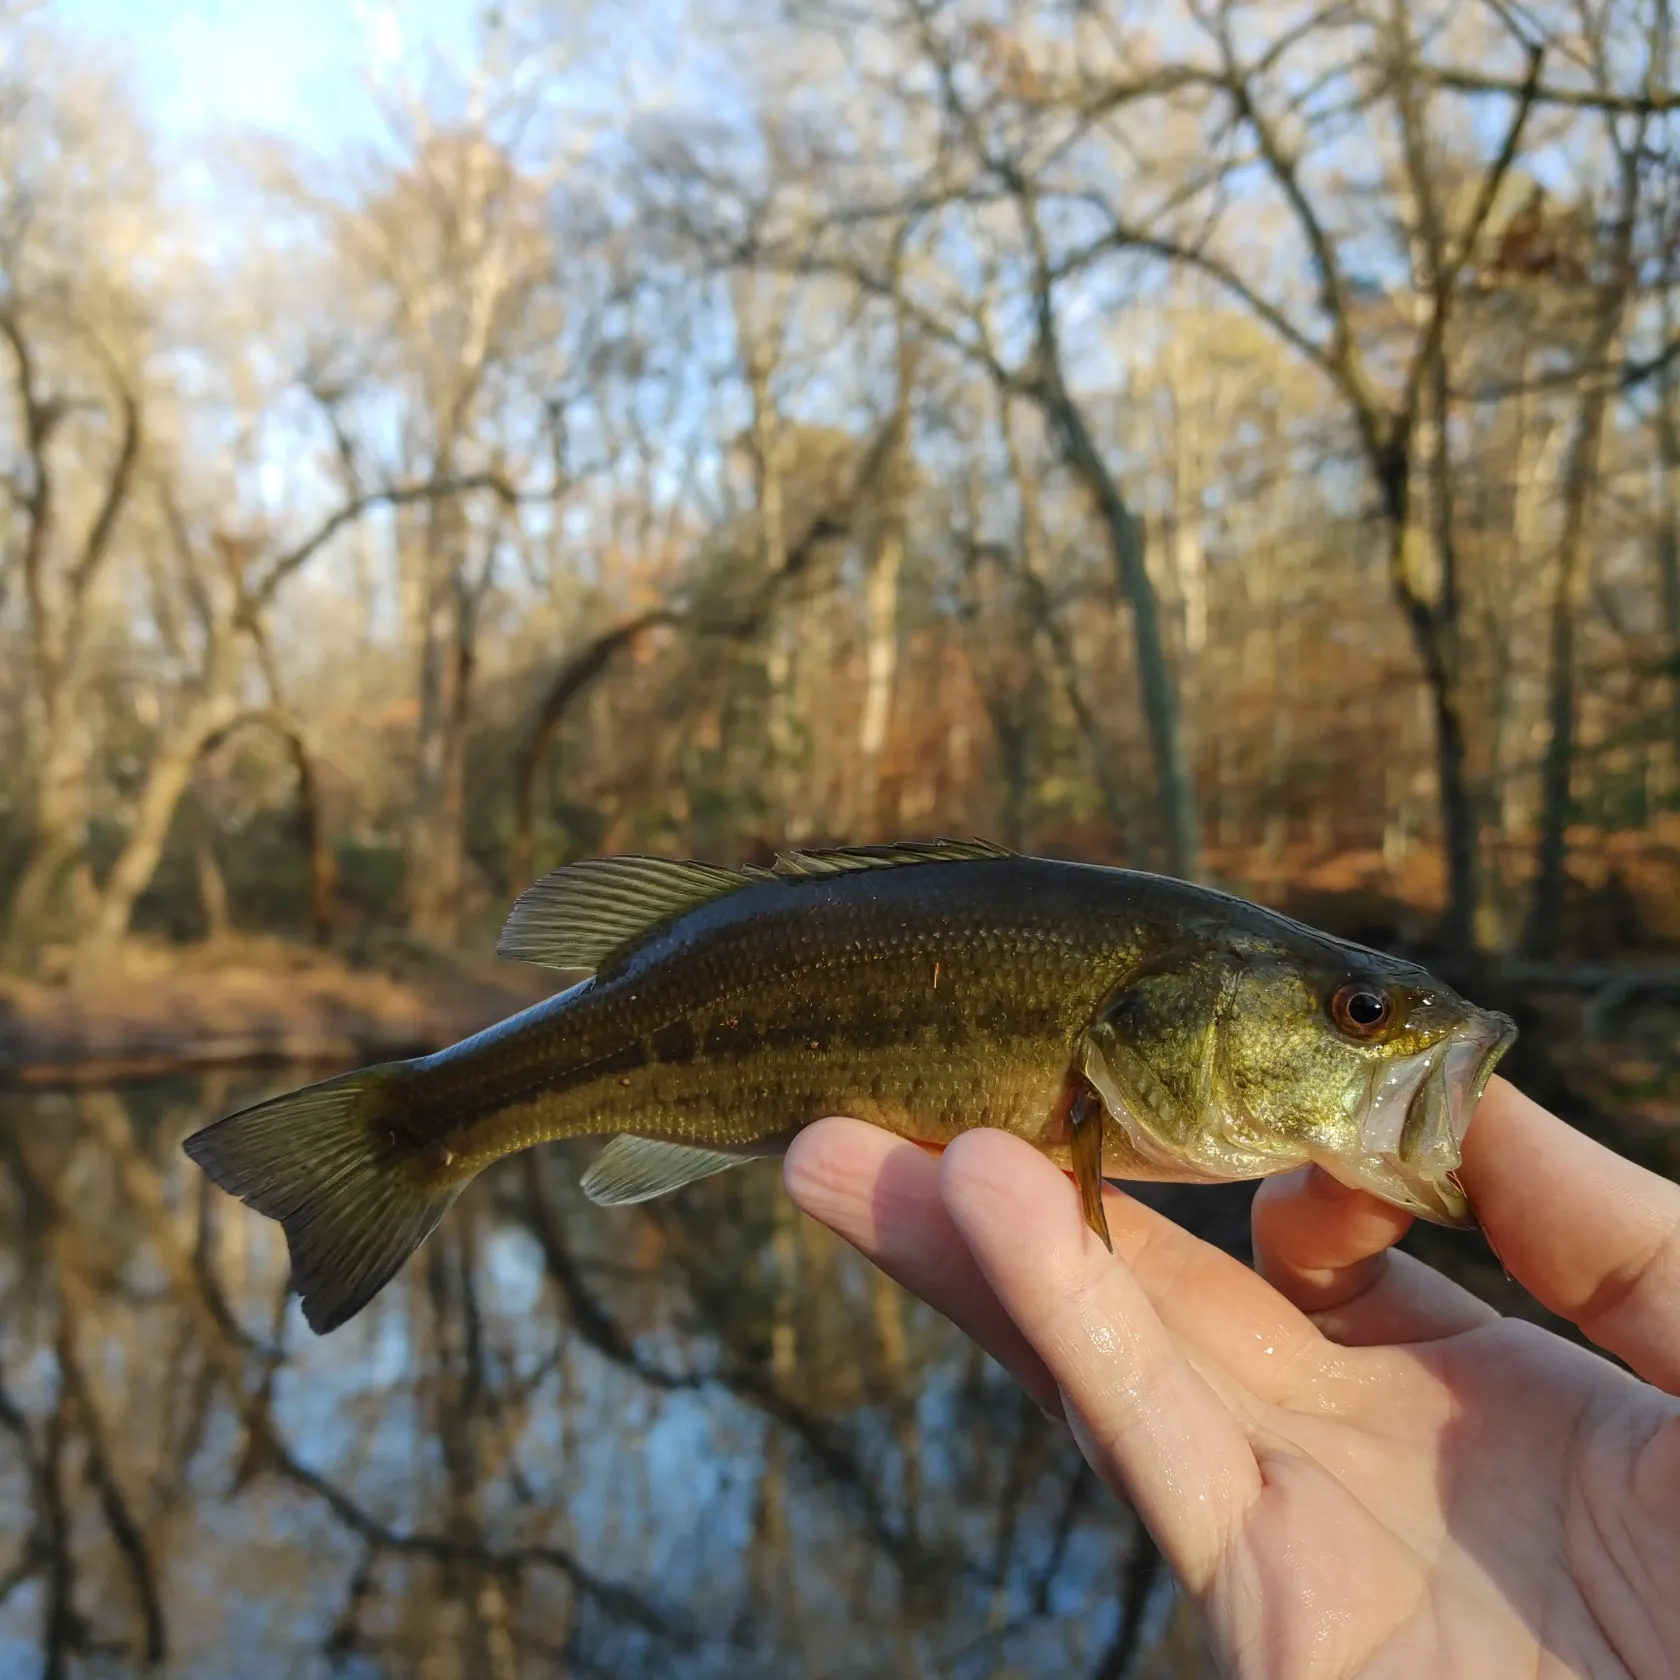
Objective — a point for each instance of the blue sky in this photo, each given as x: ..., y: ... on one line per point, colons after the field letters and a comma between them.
x: 290, y: 67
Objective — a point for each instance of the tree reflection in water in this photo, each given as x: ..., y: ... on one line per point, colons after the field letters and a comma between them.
x: 699, y: 1437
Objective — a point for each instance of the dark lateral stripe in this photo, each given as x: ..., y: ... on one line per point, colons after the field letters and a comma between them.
x: 738, y: 1038
x: 742, y: 1036
x: 624, y: 1060
x: 489, y: 1095
x: 732, y: 1039
x: 675, y: 1045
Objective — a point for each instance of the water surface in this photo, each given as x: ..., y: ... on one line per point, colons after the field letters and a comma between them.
x: 695, y: 1438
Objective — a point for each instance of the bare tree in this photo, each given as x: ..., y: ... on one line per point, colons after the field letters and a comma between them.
x: 77, y: 335
x: 1613, y: 295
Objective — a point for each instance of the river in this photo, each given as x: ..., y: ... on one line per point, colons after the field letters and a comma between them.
x: 698, y: 1437
x: 694, y: 1438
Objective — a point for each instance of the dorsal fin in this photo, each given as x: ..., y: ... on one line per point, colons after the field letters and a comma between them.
x: 584, y: 913
x: 842, y: 860
x: 579, y: 915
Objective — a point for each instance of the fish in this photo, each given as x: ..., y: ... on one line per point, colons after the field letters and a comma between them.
x: 1130, y: 1026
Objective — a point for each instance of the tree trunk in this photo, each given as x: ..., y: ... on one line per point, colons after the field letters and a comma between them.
x: 60, y: 834
x: 573, y: 677
x: 433, y: 851
x: 56, y: 621
x: 1668, y: 540
x: 1668, y: 560
x: 1175, y: 787
x: 1540, y: 937
x: 1580, y: 485
x: 212, y: 884
x: 312, y: 834
x: 167, y: 781
x: 1431, y: 609
x: 881, y: 600
x: 1436, y: 639
x: 1458, y: 802
x: 450, y: 826
x: 880, y: 663
x: 1035, y: 593
x: 311, y: 825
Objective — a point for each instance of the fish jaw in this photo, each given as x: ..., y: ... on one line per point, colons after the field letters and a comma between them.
x: 1416, y: 1115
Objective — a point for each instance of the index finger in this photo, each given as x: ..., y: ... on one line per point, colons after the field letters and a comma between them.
x: 881, y: 1194
x: 1593, y: 1237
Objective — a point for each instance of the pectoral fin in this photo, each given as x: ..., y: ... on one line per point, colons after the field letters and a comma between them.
x: 1085, y: 1136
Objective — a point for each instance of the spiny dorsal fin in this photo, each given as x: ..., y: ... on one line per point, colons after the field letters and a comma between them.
x: 636, y: 1169
x: 842, y: 860
x: 579, y: 915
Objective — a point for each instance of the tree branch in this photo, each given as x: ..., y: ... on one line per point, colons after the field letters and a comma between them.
x: 588, y: 663
x: 1446, y: 279
x: 261, y: 594
x: 1577, y: 99
x: 125, y: 1531
x: 510, y: 1561
x: 1340, y: 356
x: 39, y: 419
x: 111, y: 503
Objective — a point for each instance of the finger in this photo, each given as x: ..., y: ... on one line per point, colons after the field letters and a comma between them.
x: 882, y: 1195
x: 1220, y: 1309
x: 1594, y: 1237
x: 1144, y: 1418
x: 1327, y: 1248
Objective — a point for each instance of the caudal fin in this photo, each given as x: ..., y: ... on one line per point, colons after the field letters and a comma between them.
x: 323, y: 1162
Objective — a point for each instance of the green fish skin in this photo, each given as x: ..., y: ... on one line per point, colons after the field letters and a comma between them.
x: 1126, y: 1024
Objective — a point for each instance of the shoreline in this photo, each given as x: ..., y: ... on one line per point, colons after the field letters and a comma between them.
x: 164, y: 1011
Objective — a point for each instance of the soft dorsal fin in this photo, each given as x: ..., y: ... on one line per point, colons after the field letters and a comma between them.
x: 636, y: 1169
x: 579, y: 915
x: 843, y: 860
x: 583, y: 914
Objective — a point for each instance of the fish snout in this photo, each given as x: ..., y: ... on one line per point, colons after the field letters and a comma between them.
x: 1417, y: 1114
x: 1439, y: 1113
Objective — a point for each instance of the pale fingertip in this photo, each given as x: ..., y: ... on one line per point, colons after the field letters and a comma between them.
x: 1316, y: 1239
x: 994, y: 1183
x: 881, y: 1194
x: 831, y: 1149
x: 1329, y: 1250
x: 851, y: 1176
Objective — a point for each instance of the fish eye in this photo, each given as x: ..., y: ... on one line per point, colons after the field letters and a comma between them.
x: 1360, y: 1009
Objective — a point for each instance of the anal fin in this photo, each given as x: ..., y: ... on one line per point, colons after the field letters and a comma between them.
x: 637, y: 1169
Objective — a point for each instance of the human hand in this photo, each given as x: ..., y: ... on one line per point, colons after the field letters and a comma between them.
x: 1353, y: 1465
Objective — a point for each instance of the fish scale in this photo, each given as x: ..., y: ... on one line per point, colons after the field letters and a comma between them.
x: 1119, y: 1022
x: 990, y: 1044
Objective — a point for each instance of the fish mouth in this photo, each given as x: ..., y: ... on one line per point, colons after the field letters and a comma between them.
x: 1416, y: 1114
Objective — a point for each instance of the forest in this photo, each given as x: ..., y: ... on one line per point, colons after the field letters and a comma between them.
x: 1233, y: 438
x: 1230, y: 442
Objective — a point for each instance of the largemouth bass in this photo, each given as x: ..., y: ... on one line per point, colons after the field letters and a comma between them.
x: 1128, y: 1025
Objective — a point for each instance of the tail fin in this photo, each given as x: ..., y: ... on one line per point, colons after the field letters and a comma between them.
x: 324, y: 1163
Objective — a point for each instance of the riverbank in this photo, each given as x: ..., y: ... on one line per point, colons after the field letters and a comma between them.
x: 159, y: 1009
